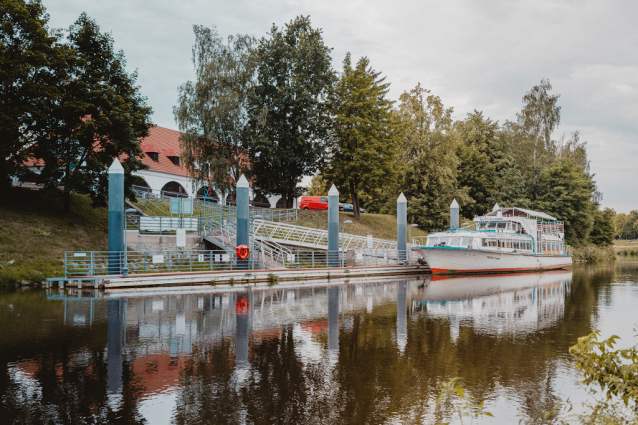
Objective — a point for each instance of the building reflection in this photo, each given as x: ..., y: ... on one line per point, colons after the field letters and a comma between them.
x: 298, y: 351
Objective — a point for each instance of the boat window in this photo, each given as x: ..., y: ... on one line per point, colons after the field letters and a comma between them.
x: 432, y: 241
x: 502, y: 226
x: 491, y: 225
x: 455, y: 241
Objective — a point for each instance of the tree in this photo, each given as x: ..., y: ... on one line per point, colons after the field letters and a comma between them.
x: 568, y: 195
x: 478, y: 155
x: 603, y: 231
x: 364, y: 132
x: 99, y: 115
x: 540, y: 117
x: 428, y: 151
x: 28, y: 83
x: 288, y: 117
x: 212, y: 111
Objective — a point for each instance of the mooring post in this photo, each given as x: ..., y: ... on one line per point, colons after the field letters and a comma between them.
x: 402, y: 229
x: 116, y: 217
x: 454, y: 215
x: 333, y: 227
x: 242, y: 219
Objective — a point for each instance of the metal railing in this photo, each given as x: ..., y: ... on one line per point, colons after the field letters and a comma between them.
x: 157, y: 203
x: 79, y: 264
x: 315, y: 238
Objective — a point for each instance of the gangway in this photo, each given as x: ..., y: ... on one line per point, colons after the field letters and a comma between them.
x: 307, y: 237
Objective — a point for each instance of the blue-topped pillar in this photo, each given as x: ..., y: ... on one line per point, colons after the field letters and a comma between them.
x: 402, y: 229
x: 242, y: 218
x: 454, y: 215
x: 116, y: 217
x: 333, y: 227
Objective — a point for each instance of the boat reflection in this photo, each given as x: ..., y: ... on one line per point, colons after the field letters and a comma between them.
x: 496, y: 303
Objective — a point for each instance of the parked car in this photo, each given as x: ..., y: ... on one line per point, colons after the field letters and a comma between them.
x: 362, y: 210
x: 319, y: 203
x: 348, y: 208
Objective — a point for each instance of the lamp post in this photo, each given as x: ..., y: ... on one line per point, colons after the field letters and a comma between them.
x: 252, y: 239
x: 410, y: 240
x: 126, y: 212
x: 343, y: 237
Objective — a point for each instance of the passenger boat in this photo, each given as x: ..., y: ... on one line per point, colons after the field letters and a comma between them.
x: 505, y: 240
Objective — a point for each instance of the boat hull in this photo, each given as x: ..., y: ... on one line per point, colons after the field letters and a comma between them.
x: 444, y: 260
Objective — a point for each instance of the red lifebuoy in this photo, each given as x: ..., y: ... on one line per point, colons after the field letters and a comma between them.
x: 242, y: 252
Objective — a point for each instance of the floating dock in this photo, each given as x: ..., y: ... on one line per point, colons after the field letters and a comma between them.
x: 232, y: 277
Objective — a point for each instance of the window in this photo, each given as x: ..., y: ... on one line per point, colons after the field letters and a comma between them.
x: 491, y: 225
x: 501, y: 226
x: 324, y: 199
x: 153, y: 155
x: 174, y: 160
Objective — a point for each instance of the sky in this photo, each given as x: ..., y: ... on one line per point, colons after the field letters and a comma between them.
x: 481, y: 55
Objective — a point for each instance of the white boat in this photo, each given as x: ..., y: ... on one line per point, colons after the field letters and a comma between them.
x: 505, y: 240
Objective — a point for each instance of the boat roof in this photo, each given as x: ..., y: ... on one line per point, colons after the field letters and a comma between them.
x: 518, y: 212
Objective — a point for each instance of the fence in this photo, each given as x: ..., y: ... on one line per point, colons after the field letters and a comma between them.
x: 96, y: 263
x: 157, y: 203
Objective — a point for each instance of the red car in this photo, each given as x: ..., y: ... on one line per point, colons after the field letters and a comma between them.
x: 319, y: 203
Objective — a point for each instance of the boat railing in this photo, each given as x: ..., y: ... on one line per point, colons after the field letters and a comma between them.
x: 419, y: 241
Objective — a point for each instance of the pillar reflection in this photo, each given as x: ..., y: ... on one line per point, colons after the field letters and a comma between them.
x: 402, y: 316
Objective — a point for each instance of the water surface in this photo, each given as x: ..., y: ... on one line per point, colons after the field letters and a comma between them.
x: 357, y: 353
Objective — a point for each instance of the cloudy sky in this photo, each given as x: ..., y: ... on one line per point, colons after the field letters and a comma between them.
x: 480, y: 55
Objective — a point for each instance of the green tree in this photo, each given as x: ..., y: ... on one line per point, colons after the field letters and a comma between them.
x: 624, y: 225
x: 212, y: 111
x: 478, y: 154
x: 100, y: 115
x: 28, y: 82
x: 568, y: 195
x: 288, y: 116
x: 364, y: 132
x: 539, y: 118
x: 603, y: 231
x: 428, y: 152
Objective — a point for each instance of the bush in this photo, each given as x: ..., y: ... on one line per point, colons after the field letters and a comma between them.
x: 592, y: 253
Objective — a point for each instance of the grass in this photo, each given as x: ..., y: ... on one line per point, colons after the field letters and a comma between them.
x: 592, y: 253
x: 35, y: 232
x: 382, y: 226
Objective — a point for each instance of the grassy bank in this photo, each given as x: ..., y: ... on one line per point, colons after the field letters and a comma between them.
x: 592, y: 253
x: 35, y: 232
x: 382, y: 226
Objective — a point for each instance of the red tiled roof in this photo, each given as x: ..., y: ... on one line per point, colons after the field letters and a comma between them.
x: 167, y: 144
x: 170, y: 153
x: 147, y: 147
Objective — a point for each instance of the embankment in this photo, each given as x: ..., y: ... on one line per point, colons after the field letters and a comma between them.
x: 592, y: 253
x: 35, y: 232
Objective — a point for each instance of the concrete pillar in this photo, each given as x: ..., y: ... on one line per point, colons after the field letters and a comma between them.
x: 402, y: 316
x: 333, y: 227
x: 402, y: 229
x: 454, y: 215
x: 243, y: 204
x: 116, y: 216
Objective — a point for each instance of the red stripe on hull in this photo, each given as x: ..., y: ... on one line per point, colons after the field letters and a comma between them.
x: 507, y: 270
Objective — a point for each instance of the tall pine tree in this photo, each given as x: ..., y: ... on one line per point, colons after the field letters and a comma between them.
x: 364, y: 132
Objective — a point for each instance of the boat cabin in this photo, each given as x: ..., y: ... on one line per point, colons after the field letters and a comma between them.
x: 507, y: 230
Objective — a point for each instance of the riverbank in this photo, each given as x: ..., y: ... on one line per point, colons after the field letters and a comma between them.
x: 592, y: 253
x: 35, y: 232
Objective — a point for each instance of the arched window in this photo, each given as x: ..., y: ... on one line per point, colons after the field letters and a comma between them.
x: 207, y: 194
x: 174, y: 189
x: 261, y: 201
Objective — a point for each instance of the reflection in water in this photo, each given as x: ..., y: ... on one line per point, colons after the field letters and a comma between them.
x: 371, y: 352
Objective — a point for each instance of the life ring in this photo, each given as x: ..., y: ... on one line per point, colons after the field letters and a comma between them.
x: 242, y: 252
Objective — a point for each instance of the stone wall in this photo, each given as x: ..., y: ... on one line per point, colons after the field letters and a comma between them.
x: 138, y: 242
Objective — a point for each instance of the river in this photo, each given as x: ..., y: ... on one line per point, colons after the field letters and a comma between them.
x: 374, y: 352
